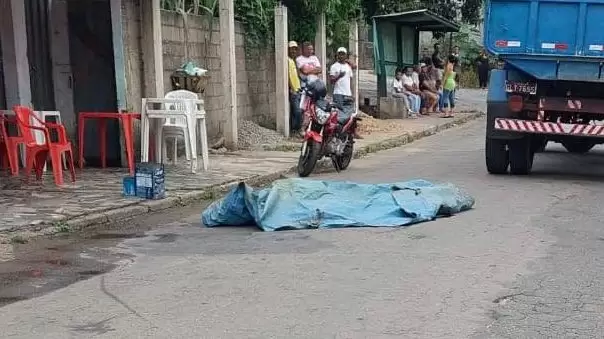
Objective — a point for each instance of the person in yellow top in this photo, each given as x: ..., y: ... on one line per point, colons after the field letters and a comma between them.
x: 294, y: 88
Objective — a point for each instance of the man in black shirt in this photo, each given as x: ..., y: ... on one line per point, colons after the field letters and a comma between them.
x: 437, y: 61
x: 426, y: 58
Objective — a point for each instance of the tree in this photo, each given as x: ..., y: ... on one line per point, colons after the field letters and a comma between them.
x: 469, y: 9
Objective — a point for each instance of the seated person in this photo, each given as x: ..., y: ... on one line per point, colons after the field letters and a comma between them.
x: 417, y: 88
x: 404, y: 86
x: 428, y: 87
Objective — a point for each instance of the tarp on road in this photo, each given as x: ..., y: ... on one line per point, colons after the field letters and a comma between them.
x: 305, y: 204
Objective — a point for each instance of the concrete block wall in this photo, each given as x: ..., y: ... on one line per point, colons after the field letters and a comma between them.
x: 255, y: 69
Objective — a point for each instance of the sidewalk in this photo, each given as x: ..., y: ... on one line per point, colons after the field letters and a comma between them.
x: 96, y: 197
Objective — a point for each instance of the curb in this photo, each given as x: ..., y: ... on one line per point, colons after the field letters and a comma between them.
x: 144, y: 207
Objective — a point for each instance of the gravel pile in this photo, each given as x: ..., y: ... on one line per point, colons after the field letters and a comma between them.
x: 370, y: 125
x: 252, y: 135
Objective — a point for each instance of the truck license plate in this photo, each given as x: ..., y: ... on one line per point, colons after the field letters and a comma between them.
x: 521, y: 87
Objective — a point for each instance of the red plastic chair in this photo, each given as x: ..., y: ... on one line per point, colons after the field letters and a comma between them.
x: 35, y: 154
x: 9, y: 147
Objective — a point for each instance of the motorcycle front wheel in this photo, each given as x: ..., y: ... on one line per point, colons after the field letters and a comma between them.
x: 309, y: 156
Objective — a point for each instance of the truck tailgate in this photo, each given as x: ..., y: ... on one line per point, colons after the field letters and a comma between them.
x: 554, y: 39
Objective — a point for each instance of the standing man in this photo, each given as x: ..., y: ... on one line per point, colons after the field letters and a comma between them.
x: 308, y: 64
x: 426, y: 58
x: 340, y: 75
x: 295, y: 115
x: 437, y: 61
x: 482, y: 68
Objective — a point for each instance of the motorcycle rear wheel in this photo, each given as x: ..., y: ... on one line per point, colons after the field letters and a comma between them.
x: 343, y: 161
x: 308, y: 159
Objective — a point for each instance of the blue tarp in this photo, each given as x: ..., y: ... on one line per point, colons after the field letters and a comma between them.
x: 302, y: 204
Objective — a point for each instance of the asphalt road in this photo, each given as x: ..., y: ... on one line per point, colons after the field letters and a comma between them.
x: 526, y: 262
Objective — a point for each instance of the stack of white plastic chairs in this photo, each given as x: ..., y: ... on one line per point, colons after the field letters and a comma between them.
x: 181, y: 111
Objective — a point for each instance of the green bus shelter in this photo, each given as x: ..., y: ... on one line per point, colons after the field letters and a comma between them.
x: 396, y: 41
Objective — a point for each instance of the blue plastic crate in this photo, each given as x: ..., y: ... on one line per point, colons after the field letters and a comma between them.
x: 129, y: 187
x: 150, y: 181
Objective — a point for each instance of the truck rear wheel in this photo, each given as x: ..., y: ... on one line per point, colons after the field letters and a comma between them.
x: 496, y: 156
x: 578, y: 146
x: 521, y: 157
x: 538, y: 145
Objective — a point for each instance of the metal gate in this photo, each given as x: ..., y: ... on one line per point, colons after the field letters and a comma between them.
x: 38, y: 53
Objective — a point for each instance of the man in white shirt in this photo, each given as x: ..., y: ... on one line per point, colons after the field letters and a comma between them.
x: 399, y: 91
x: 416, y: 71
x: 341, y: 74
x: 308, y: 64
x: 410, y: 86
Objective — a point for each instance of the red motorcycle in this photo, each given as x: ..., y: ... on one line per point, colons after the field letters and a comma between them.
x: 328, y: 134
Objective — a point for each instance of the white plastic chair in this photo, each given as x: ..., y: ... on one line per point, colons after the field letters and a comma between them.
x: 39, y: 135
x: 179, y: 109
x: 174, y: 128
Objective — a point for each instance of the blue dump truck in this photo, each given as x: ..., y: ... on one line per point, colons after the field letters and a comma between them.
x: 549, y: 86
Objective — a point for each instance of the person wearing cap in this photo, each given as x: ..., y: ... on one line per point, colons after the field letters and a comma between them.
x: 308, y: 64
x: 295, y: 115
x: 341, y: 74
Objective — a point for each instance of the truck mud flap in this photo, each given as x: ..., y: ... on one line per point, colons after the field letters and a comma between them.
x: 551, y: 128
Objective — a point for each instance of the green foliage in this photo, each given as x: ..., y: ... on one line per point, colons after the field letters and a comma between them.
x: 338, y: 15
x: 196, y: 7
x: 258, y: 18
x: 445, y: 8
x: 470, y: 11
x: 468, y: 46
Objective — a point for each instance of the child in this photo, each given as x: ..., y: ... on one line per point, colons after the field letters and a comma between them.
x: 449, y: 86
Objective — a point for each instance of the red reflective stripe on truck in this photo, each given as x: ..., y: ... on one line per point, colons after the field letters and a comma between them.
x: 531, y: 126
x: 508, y: 43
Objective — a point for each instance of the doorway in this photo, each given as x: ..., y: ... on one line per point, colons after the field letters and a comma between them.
x: 93, y: 71
x: 38, y: 54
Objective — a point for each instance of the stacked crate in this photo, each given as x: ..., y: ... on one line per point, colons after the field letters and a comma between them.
x: 150, y: 181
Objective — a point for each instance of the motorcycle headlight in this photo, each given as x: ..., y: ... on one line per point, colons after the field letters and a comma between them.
x: 322, y: 116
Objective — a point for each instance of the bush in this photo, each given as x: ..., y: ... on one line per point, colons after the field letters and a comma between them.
x: 468, y: 78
